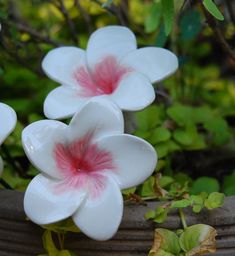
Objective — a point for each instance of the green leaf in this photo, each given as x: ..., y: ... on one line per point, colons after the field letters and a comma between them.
x: 165, y: 181
x: 129, y: 191
x: 213, y: 9
x: 62, y: 226
x: 159, y: 134
x: 183, y: 137
x: 181, y: 114
x: 166, y: 242
x: 198, y: 239
x: 197, y: 202
x: 181, y: 203
x: 147, y: 187
x: 214, y: 200
x: 228, y: 184
x: 190, y: 25
x: 161, y: 37
x: 161, y: 214
x: 168, y: 15
x: 204, y: 184
x: 48, y: 243
x: 150, y: 117
x: 150, y: 215
x: 153, y: 19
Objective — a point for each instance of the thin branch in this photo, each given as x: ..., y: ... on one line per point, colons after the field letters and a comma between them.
x: 230, y: 7
x: 86, y: 16
x: 213, y: 24
x: 70, y: 23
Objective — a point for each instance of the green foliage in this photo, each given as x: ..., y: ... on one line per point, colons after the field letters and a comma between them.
x: 228, y: 184
x: 205, y: 184
x: 194, y: 240
x: 213, y: 9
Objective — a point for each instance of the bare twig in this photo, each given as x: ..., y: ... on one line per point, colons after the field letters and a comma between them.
x: 230, y: 10
x: 213, y: 24
x: 61, y: 7
x: 86, y: 16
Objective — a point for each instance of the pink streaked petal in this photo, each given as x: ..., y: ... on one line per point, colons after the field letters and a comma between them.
x: 81, y: 156
x: 134, y: 158
x: 39, y: 139
x: 93, y: 183
x: 44, y: 205
x: 100, y: 116
x: 59, y: 64
x: 116, y: 41
x: 134, y: 92
x: 156, y: 63
x: 8, y: 121
x: 100, y: 217
x: 104, y: 78
x: 63, y: 102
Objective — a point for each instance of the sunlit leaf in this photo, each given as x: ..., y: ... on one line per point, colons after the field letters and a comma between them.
x: 214, y: 200
x: 213, y: 9
x: 153, y: 19
x: 198, y: 239
x: 168, y: 15
x: 165, y: 242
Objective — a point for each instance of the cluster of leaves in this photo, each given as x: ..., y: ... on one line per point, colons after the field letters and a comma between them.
x: 194, y: 240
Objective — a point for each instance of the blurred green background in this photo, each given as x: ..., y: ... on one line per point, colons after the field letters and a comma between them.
x: 192, y: 122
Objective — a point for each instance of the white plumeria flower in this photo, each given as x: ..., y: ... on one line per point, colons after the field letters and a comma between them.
x: 84, y: 166
x: 111, y: 67
x: 7, y: 124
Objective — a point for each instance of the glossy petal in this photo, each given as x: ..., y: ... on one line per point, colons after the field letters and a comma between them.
x: 1, y: 166
x: 38, y: 141
x: 134, y: 158
x: 63, y: 102
x: 155, y: 63
x: 61, y: 63
x: 43, y: 204
x: 114, y: 41
x: 99, y: 218
x: 7, y: 121
x: 134, y: 92
x: 99, y: 117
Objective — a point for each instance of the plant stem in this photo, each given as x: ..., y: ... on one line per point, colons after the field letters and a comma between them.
x: 61, y: 240
x: 5, y: 184
x: 182, y: 218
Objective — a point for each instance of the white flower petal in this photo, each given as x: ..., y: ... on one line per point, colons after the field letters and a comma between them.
x: 156, y: 63
x: 1, y: 166
x: 8, y: 121
x: 38, y: 141
x: 44, y: 203
x: 114, y: 41
x: 99, y: 218
x: 134, y: 92
x: 60, y: 64
x: 99, y: 117
x: 63, y: 102
x: 134, y: 158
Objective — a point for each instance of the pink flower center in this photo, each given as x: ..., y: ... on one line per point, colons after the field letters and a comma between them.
x: 83, y: 164
x: 104, y: 79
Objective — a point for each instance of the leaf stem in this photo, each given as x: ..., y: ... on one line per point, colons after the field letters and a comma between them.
x: 182, y: 218
x: 61, y: 240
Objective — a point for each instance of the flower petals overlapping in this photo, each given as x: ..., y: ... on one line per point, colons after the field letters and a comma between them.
x: 84, y: 165
x: 111, y: 67
x: 7, y: 124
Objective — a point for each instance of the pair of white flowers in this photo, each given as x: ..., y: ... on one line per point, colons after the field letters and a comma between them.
x: 85, y: 164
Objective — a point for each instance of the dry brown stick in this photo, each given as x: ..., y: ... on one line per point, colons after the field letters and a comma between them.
x: 86, y: 16
x: 61, y: 7
x: 213, y: 24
